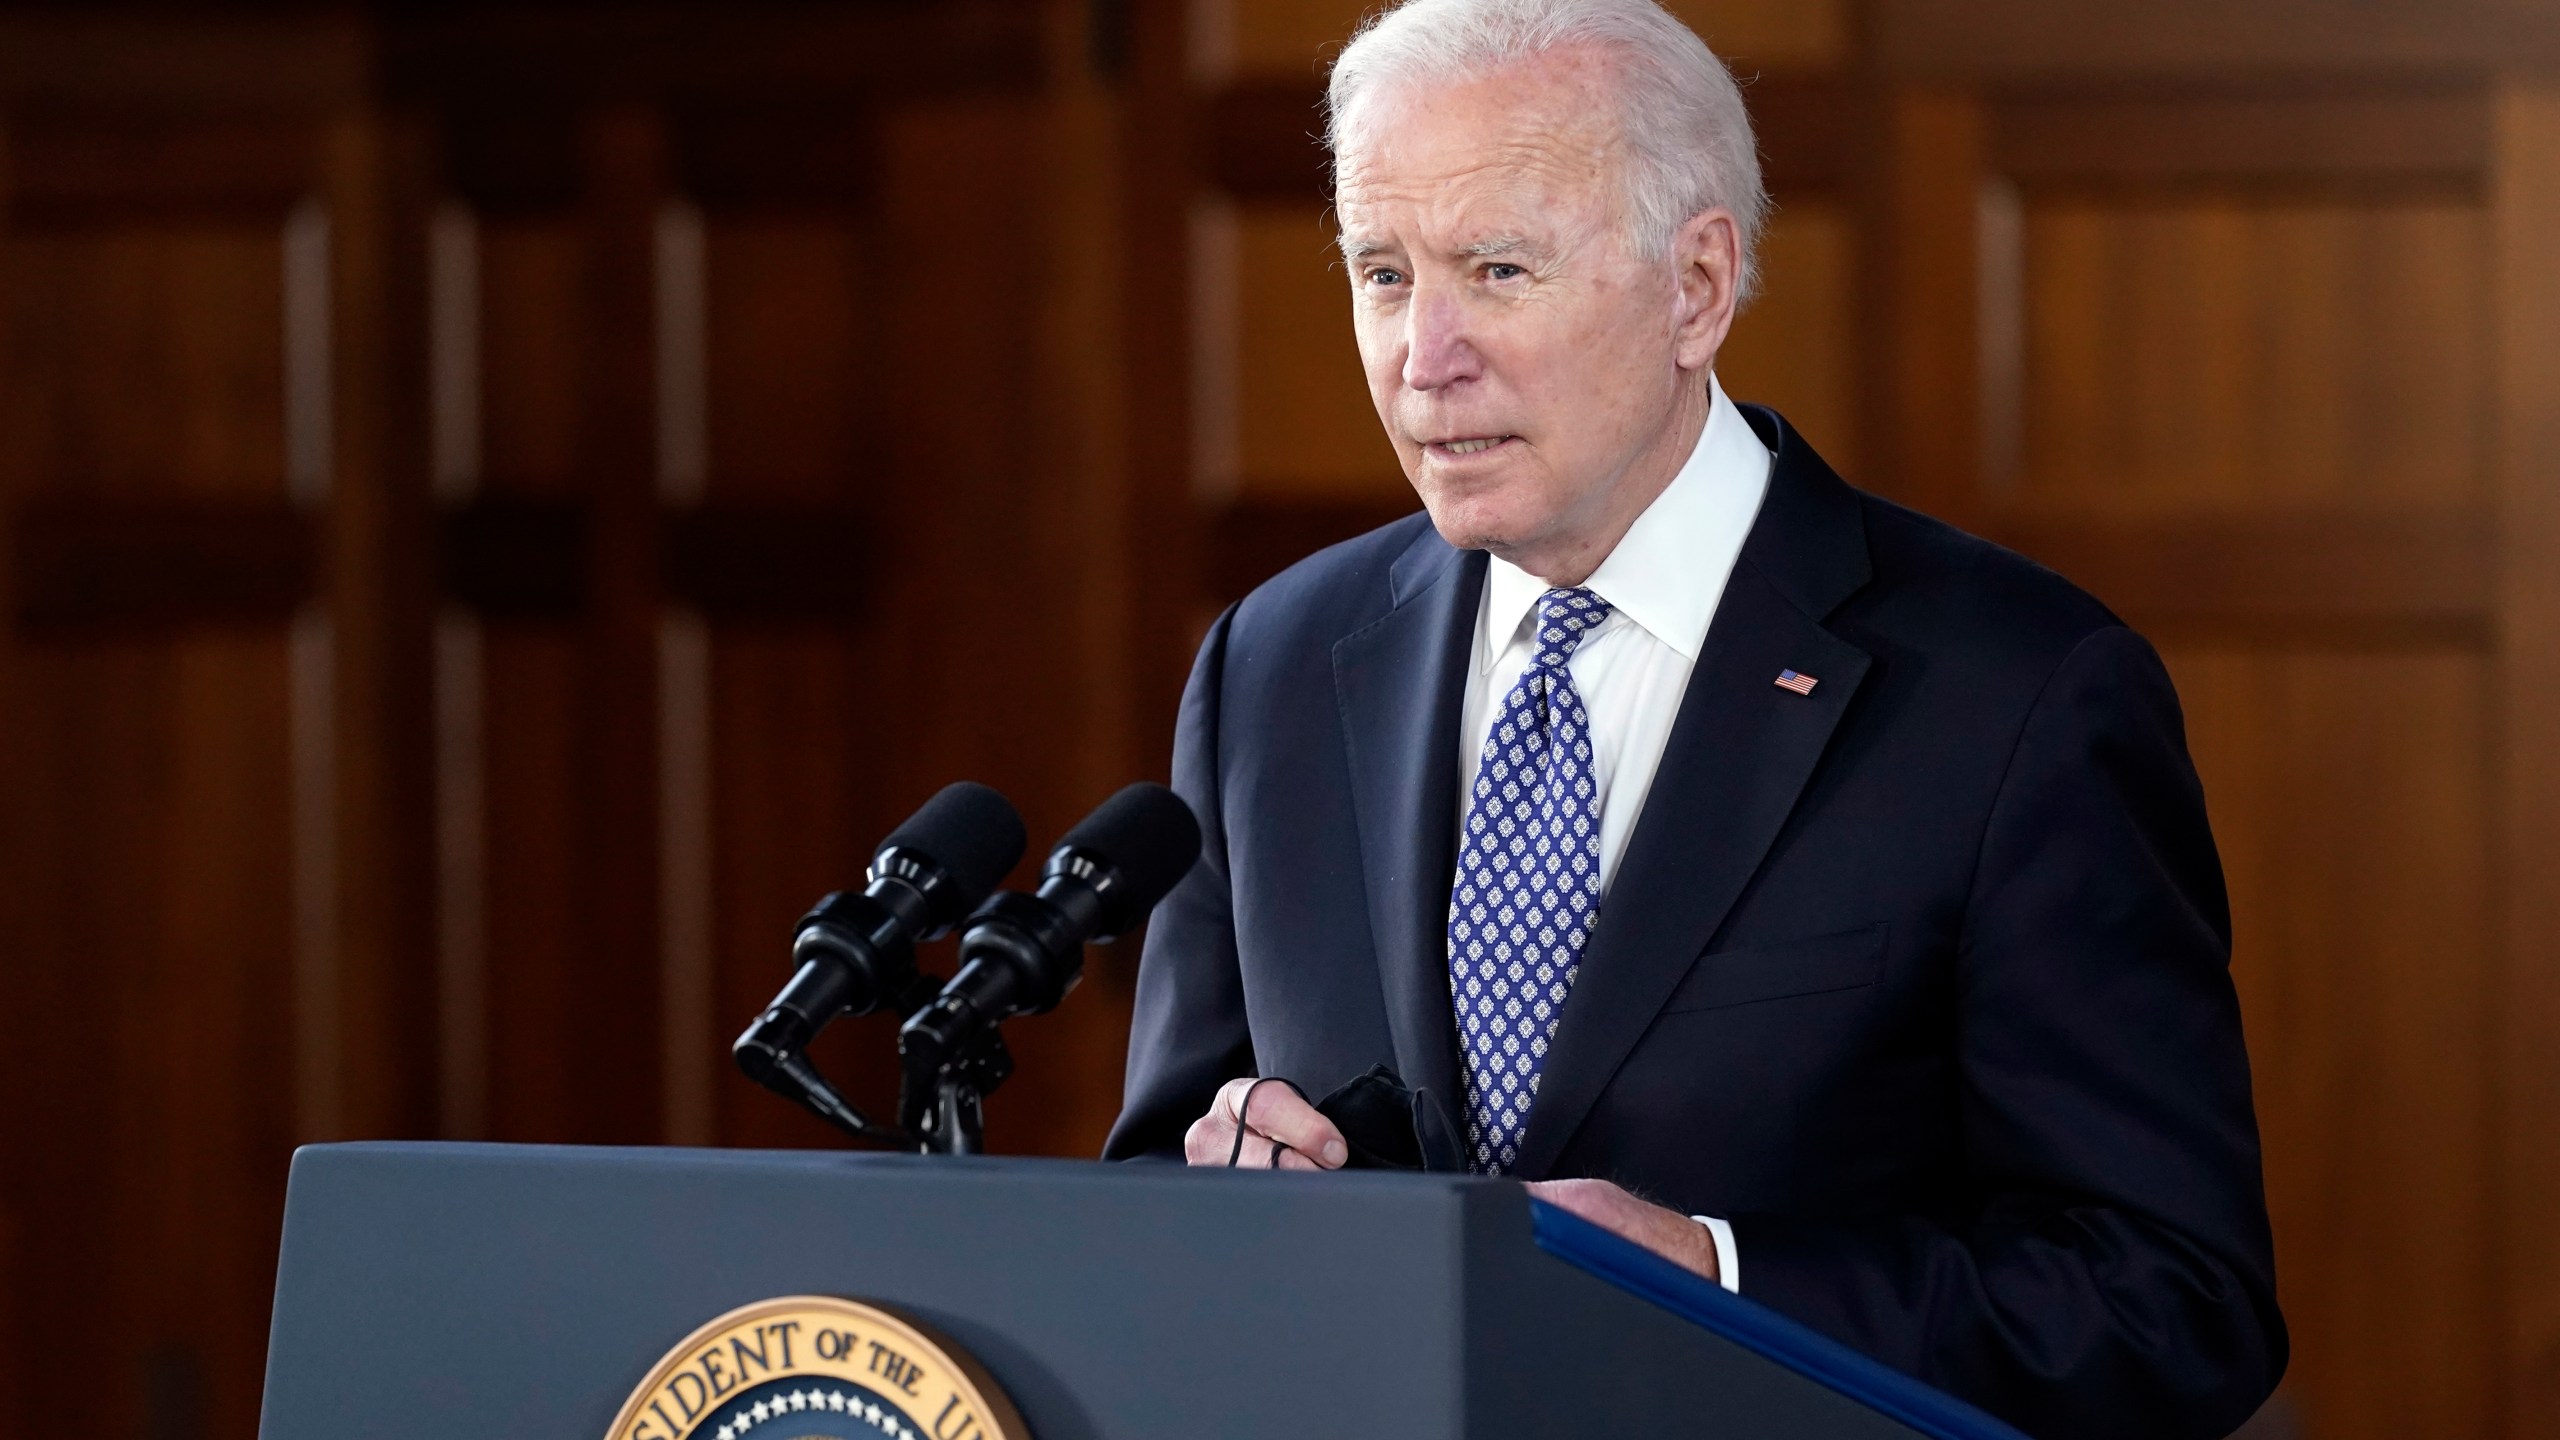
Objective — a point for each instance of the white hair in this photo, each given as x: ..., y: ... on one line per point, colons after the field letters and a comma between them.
x: 1688, y: 137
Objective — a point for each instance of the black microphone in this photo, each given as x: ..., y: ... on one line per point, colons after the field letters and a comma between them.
x: 856, y: 950
x: 1021, y: 954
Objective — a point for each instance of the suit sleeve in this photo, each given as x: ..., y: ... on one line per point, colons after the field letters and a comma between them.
x: 2107, y: 1268
x: 1187, y: 1035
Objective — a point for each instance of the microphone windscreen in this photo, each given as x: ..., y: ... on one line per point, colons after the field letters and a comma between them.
x: 972, y: 832
x: 1148, y: 834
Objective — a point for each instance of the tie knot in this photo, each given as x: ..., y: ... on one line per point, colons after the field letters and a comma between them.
x: 1564, y: 617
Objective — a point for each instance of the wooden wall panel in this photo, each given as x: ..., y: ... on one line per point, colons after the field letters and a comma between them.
x: 2226, y: 353
x: 903, y: 416
x: 979, y: 592
x: 360, y: 415
x: 532, y: 315
x: 149, y: 834
x: 856, y: 416
x: 534, y: 739
x: 795, y: 356
x: 530, y: 373
x: 799, y: 797
x: 2525, y: 204
x: 1796, y: 347
x: 2350, y: 795
x: 619, y: 969
x: 1298, y: 37
x: 208, y: 993
x: 1242, y: 37
x: 1304, y: 426
x: 801, y: 787
x: 2303, y: 136
x: 208, y: 763
x: 151, y: 922
x: 541, y: 718
x: 958, y: 465
x: 2181, y: 39
x: 1815, y: 34
x: 147, y: 360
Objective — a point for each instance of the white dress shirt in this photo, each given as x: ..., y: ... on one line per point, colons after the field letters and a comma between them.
x: 1662, y: 583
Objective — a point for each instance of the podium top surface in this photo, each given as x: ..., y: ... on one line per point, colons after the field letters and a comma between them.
x: 428, y: 1277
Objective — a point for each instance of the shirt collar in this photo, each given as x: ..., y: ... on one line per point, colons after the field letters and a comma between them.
x: 1669, y: 570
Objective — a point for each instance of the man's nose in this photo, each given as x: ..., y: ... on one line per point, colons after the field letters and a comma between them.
x: 1438, y: 348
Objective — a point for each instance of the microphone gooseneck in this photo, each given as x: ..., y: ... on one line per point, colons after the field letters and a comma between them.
x: 1020, y: 954
x: 855, y: 952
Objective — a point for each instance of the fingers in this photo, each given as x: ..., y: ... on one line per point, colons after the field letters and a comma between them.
x: 1277, y: 1113
x: 1275, y: 1156
x: 1205, y: 1143
x: 1281, y: 1131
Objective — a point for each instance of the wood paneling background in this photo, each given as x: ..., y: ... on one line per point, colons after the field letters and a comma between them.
x: 501, y: 506
x: 499, y: 510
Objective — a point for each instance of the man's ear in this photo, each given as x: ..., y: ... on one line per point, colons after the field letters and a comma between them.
x: 1708, y: 249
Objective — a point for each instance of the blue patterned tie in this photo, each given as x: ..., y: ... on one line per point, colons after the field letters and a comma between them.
x: 1528, y: 883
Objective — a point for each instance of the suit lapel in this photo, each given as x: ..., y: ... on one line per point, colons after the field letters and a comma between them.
x: 1740, y: 753
x: 1400, y: 683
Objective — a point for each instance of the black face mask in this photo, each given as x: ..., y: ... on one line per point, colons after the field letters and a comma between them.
x: 1384, y: 1126
x: 1388, y: 1127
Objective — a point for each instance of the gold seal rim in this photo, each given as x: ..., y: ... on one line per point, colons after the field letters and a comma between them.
x: 975, y: 1383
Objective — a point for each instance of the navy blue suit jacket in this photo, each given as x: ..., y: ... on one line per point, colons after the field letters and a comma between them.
x: 1922, y: 980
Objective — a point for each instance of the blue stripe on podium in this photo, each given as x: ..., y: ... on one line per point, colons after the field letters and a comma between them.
x: 1759, y: 1329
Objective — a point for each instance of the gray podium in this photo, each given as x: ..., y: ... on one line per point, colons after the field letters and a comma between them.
x: 487, y: 1291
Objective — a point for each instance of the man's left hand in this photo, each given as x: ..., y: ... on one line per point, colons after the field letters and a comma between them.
x: 1666, y: 1233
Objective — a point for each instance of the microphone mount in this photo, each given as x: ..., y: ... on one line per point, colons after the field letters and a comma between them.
x: 854, y: 953
x: 1020, y: 955
x: 952, y: 1054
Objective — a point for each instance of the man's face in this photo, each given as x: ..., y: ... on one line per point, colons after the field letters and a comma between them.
x: 1533, y: 372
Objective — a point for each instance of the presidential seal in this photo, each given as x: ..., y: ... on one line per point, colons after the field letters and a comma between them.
x: 810, y: 1367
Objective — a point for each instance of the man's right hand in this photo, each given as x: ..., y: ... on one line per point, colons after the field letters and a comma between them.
x: 1281, y: 1131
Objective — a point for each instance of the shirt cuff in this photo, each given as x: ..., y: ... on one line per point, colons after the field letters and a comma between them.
x: 1728, y: 1259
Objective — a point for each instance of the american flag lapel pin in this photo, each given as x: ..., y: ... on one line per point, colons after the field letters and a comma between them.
x: 1801, y: 684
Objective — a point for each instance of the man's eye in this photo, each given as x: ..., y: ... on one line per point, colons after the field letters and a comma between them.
x: 1380, y: 275
x: 1500, y: 271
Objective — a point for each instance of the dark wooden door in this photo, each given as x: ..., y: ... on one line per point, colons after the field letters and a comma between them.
x: 499, y: 511
x: 170, y: 741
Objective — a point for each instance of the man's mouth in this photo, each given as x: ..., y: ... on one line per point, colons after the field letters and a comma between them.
x: 1475, y: 445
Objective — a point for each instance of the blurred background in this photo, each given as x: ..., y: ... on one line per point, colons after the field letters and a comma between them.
x: 501, y: 506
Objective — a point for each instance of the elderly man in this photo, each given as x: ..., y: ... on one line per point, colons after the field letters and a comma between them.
x: 1803, y: 889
